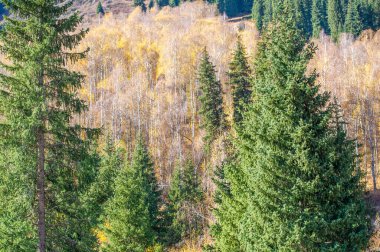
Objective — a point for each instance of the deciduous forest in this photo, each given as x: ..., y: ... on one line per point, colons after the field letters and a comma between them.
x: 216, y: 126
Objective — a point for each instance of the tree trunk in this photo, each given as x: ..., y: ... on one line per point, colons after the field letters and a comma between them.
x: 41, y: 191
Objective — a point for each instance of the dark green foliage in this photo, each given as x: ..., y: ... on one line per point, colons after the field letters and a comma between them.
x: 140, y: 3
x: 185, y: 199
x: 162, y: 3
x: 174, y: 3
x: 230, y: 203
x: 335, y: 13
x: 258, y: 13
x: 239, y: 78
x: 37, y: 102
x: 151, y: 4
x: 210, y: 98
x: 302, y: 186
x: 312, y: 16
x: 16, y: 202
x: 319, y: 17
x: 99, y: 9
x: 131, y: 216
x: 353, y: 23
x: 229, y: 7
x: 103, y: 187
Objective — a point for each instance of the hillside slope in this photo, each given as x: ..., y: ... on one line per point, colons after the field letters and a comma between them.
x: 88, y: 7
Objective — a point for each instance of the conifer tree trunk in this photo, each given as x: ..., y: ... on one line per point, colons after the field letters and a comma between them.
x: 41, y: 191
x: 41, y: 174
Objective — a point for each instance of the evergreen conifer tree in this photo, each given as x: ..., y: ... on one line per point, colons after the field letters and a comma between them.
x: 319, y: 17
x: 335, y: 15
x: 99, y: 9
x: 229, y: 7
x: 258, y: 13
x: 151, y: 4
x: 132, y: 214
x: 303, y: 189
x: 353, y: 23
x: 174, y: 3
x: 211, y: 99
x: 162, y: 3
x: 240, y: 80
x: 16, y: 203
x: 37, y: 101
x: 230, y: 203
x: 140, y: 3
x: 103, y: 188
x: 185, y: 196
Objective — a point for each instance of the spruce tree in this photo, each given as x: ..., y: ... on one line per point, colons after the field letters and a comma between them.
x: 211, y: 99
x: 229, y: 7
x: 37, y: 101
x: 151, y: 4
x: 230, y: 203
x: 103, y: 188
x: 140, y: 3
x: 174, y: 3
x: 131, y: 216
x: 16, y: 203
x: 239, y: 78
x: 185, y: 196
x: 258, y: 13
x: 335, y: 15
x: 319, y: 17
x: 162, y: 3
x: 353, y: 23
x: 303, y: 189
x: 99, y: 9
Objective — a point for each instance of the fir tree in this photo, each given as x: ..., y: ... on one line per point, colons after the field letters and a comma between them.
x: 132, y: 214
x: 99, y: 9
x: 140, y: 3
x: 229, y: 7
x: 353, y: 22
x: 258, y: 13
x: 162, y: 3
x: 335, y: 18
x: 304, y: 191
x: 174, y: 3
x: 151, y: 4
x: 230, y: 203
x: 103, y: 188
x: 16, y: 203
x: 211, y: 99
x: 38, y: 100
x: 319, y: 17
x: 240, y: 81
x: 185, y: 196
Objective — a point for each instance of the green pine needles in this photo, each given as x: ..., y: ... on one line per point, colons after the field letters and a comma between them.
x: 132, y: 215
x: 99, y: 9
x: 294, y: 185
x: 38, y: 99
x: 211, y: 100
x: 185, y: 201
x: 240, y: 80
x: 305, y: 193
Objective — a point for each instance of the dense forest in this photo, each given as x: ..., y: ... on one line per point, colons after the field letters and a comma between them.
x: 177, y: 129
x: 332, y: 16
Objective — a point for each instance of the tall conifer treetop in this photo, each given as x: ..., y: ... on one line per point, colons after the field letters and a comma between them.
x: 240, y: 80
x: 38, y: 99
x: 211, y: 99
x: 99, y: 9
x: 132, y: 213
x: 304, y: 192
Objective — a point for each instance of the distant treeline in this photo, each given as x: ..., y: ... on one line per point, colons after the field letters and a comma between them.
x: 332, y: 16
